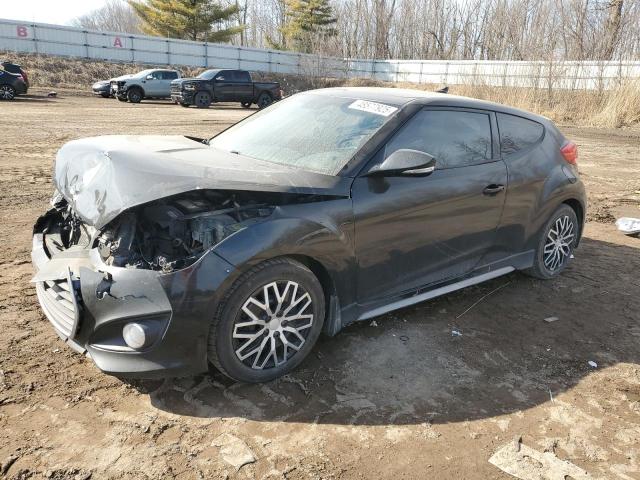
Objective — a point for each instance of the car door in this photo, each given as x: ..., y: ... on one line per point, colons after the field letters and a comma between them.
x: 414, y: 231
x: 244, y: 87
x: 153, y: 84
x: 224, y: 85
x: 164, y: 88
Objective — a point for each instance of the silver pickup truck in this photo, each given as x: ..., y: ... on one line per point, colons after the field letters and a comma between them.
x: 155, y: 83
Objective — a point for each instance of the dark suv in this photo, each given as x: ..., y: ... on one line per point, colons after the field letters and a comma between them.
x: 17, y: 70
x: 11, y: 84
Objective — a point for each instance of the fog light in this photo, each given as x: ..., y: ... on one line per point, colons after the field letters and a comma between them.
x: 135, y: 335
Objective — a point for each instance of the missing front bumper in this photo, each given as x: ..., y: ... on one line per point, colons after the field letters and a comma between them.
x: 175, y: 307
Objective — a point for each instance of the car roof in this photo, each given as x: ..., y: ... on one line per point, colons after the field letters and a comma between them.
x: 156, y: 70
x: 399, y: 97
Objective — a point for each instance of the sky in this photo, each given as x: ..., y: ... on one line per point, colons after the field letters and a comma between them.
x: 59, y: 12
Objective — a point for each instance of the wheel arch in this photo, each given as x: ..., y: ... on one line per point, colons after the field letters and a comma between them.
x: 332, y: 322
x: 138, y: 87
x: 578, y: 208
x: 326, y: 251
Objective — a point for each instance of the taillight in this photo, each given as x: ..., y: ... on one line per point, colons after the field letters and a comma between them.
x: 569, y: 152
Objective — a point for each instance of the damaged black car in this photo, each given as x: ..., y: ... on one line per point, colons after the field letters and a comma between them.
x: 161, y: 255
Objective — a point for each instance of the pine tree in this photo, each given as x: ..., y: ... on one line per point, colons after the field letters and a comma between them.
x: 186, y: 19
x: 308, y: 21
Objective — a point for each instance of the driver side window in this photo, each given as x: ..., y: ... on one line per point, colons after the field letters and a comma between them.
x: 454, y: 138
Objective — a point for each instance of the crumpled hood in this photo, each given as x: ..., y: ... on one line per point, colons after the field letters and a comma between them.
x: 101, y: 177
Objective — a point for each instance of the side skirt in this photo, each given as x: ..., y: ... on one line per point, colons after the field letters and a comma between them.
x: 405, y: 302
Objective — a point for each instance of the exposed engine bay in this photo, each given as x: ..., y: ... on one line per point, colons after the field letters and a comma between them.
x: 174, y: 232
x: 166, y: 234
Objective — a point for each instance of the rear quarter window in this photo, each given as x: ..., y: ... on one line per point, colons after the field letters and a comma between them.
x: 517, y: 133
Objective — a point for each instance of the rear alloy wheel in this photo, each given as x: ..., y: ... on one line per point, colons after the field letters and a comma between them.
x: 134, y: 95
x: 557, y: 242
x: 268, y: 322
x: 264, y: 100
x: 202, y: 100
x: 245, y: 104
x: 7, y: 92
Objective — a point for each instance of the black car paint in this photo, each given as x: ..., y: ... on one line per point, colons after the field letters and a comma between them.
x: 347, y: 240
x: 223, y: 91
x: 16, y: 70
x: 14, y: 80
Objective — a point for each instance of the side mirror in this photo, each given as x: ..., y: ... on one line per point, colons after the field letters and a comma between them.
x: 405, y: 162
x: 149, y: 77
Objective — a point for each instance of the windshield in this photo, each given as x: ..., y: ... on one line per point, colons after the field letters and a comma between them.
x: 208, y: 74
x: 308, y: 131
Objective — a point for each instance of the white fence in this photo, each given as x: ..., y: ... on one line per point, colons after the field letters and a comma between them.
x: 120, y: 47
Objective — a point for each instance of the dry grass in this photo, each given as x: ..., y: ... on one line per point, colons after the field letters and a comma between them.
x: 621, y: 108
x: 615, y: 108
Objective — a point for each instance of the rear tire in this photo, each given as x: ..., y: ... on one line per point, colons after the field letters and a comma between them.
x: 185, y: 105
x: 264, y: 100
x: 121, y: 98
x: 275, y: 310
x: 134, y: 95
x: 7, y: 92
x: 202, y: 100
x: 558, y: 239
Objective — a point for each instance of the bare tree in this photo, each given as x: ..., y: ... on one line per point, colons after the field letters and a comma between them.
x: 114, y: 16
x: 549, y: 30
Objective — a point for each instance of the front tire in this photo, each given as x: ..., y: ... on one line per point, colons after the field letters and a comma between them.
x: 7, y: 92
x: 558, y: 239
x: 268, y: 322
x: 134, y: 95
x: 202, y: 100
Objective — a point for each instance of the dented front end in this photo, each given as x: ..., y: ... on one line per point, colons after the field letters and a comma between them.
x: 153, y: 266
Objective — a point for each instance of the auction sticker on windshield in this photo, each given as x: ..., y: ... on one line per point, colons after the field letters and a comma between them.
x: 373, y: 107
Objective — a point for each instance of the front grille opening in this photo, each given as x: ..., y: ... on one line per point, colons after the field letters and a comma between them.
x: 60, y: 305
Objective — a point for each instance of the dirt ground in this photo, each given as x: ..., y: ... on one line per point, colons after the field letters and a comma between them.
x: 400, y: 398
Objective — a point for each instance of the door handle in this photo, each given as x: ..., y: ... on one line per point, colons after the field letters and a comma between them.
x: 493, y: 189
